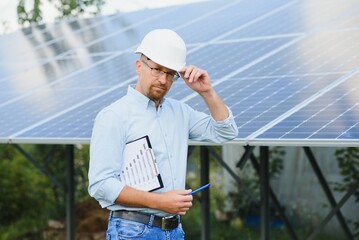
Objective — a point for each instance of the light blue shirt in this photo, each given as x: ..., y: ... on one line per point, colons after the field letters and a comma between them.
x: 169, y: 129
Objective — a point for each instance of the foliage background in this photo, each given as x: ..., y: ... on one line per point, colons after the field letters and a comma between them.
x: 30, y: 11
x: 28, y: 198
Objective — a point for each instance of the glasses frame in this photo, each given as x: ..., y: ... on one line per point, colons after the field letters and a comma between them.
x: 156, y: 72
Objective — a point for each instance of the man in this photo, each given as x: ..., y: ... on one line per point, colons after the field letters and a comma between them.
x: 169, y: 124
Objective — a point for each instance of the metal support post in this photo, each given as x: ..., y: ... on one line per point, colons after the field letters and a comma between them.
x: 248, y: 150
x: 264, y: 192
x: 334, y: 211
x: 39, y: 166
x: 276, y: 202
x: 327, y: 191
x: 68, y: 188
x: 233, y: 174
x: 70, y: 219
x: 205, y: 233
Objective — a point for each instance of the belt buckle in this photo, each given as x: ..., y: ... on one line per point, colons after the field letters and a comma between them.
x: 164, y: 223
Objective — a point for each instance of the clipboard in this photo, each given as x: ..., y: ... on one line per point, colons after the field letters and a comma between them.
x: 140, y: 168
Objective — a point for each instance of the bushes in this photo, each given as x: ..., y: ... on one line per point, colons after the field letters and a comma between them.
x: 24, y: 196
x: 28, y: 198
x: 348, y: 163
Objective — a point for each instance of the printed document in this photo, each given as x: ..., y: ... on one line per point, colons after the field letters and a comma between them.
x: 140, y: 168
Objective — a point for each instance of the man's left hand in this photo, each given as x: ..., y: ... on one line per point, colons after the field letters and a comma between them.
x: 197, y: 79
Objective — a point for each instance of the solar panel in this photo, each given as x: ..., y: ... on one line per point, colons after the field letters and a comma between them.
x: 332, y: 118
x: 287, y: 69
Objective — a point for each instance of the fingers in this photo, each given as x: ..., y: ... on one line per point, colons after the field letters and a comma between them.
x: 185, y: 201
x: 181, y: 213
x: 177, y: 201
x: 184, y: 192
x: 183, y: 210
x: 186, y: 204
x: 193, y: 73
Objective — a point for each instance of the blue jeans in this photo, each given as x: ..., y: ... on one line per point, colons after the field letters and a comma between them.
x: 121, y: 229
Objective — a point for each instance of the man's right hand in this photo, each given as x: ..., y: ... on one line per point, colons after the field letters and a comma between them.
x: 176, y: 201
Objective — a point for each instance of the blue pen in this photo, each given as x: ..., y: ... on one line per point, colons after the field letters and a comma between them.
x: 201, y: 188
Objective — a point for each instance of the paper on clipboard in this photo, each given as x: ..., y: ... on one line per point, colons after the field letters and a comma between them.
x: 140, y: 168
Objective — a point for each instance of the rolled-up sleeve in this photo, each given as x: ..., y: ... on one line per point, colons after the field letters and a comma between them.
x: 204, y: 128
x: 105, y: 158
x: 227, y: 127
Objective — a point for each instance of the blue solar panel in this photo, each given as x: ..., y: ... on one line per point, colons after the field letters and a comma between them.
x: 34, y: 106
x: 74, y: 123
x: 257, y: 101
x: 287, y: 69
x: 333, y: 115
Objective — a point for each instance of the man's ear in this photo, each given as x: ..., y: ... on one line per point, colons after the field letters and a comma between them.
x: 138, y: 66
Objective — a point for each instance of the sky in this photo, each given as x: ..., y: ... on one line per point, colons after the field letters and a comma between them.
x: 8, y: 17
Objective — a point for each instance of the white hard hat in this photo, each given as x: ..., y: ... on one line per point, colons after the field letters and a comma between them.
x: 164, y: 47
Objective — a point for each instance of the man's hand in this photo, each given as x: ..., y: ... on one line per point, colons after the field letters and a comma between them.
x: 176, y: 201
x: 197, y: 79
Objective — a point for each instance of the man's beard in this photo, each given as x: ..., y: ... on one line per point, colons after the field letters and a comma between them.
x: 156, y: 94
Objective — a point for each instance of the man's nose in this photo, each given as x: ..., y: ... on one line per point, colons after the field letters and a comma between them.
x: 162, y: 78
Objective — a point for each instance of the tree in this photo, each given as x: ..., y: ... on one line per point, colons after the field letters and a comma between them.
x: 30, y: 11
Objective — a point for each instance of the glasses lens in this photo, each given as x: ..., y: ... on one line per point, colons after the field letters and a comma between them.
x: 172, y: 76
x: 155, y: 72
x: 169, y: 77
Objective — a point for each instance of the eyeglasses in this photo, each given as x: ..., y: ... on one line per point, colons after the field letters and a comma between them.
x: 156, y: 72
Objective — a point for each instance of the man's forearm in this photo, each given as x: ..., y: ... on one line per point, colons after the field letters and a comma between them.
x: 215, y: 105
x: 132, y: 197
x: 175, y: 201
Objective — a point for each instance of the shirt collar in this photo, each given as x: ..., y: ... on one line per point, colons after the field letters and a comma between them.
x: 141, y: 99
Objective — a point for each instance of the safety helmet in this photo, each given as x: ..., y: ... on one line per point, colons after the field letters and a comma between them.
x: 164, y: 47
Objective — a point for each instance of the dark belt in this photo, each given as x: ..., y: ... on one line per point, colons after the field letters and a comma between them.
x: 165, y: 223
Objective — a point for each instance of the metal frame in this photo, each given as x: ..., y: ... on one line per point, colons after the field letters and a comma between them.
x: 70, y: 193
x: 266, y: 190
x: 232, y: 173
x: 266, y: 193
x: 328, y: 194
x: 335, y: 210
x: 205, y: 204
x: 275, y: 200
x: 205, y: 152
x: 68, y: 189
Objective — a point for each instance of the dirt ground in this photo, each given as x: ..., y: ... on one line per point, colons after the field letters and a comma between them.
x: 90, y: 223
